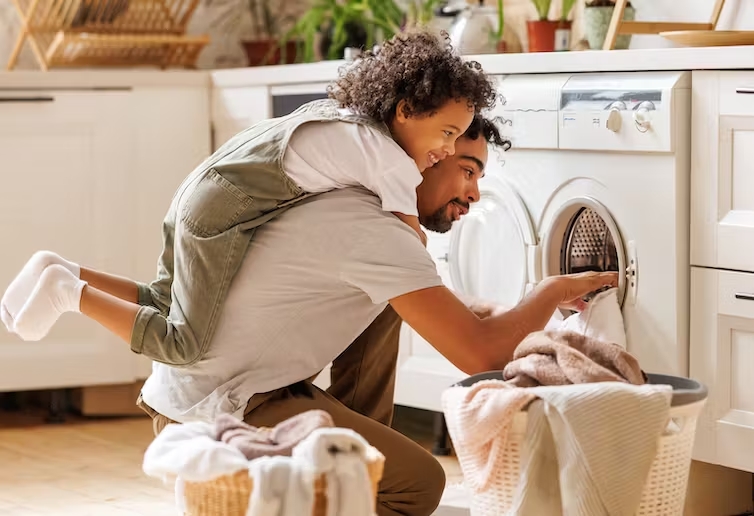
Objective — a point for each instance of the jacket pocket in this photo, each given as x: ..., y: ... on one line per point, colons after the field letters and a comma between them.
x: 213, y: 206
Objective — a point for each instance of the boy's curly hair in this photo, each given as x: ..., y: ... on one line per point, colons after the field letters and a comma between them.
x: 416, y: 66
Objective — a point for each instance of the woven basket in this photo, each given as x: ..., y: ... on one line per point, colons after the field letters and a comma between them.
x: 664, y: 493
x: 228, y: 495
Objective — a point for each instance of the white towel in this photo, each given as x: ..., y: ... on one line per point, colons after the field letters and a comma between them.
x: 589, y: 448
x: 283, y: 486
x: 191, y: 452
x: 341, y: 455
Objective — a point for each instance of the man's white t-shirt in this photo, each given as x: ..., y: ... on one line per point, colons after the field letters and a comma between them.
x: 323, y: 156
x: 312, y: 281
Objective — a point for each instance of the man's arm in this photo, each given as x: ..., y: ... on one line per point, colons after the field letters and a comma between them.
x: 475, y: 344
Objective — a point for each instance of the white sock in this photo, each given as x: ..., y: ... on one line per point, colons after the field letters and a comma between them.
x: 57, y: 291
x: 21, y: 287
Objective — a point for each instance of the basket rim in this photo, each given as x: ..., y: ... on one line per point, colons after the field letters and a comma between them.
x: 685, y: 390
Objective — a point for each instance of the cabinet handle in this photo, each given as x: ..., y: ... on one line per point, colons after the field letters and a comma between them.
x: 745, y: 91
x: 26, y: 99
x: 745, y: 296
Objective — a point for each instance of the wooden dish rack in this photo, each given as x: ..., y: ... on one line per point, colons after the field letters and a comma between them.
x: 91, y: 33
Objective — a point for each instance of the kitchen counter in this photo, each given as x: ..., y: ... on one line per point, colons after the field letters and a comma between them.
x: 102, y: 79
x: 707, y: 58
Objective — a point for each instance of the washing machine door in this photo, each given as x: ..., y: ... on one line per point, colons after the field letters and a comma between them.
x: 492, y: 247
x: 581, y: 235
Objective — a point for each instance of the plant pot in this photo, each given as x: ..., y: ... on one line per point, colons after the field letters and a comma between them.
x: 501, y: 47
x: 268, y: 52
x: 546, y: 35
x: 596, y: 22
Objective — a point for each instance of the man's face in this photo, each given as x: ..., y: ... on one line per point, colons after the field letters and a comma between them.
x: 451, y: 186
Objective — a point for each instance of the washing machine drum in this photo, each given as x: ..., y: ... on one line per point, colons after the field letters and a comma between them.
x: 490, y: 246
x: 583, y: 236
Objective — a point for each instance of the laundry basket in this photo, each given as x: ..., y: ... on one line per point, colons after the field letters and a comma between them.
x: 228, y: 495
x: 665, y: 490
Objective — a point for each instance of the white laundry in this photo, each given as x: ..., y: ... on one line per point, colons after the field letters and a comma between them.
x: 283, y: 486
x: 602, y: 319
x: 341, y: 455
x: 190, y: 451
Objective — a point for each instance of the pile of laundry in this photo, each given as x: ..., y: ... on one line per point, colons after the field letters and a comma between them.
x: 592, y: 422
x: 283, y: 462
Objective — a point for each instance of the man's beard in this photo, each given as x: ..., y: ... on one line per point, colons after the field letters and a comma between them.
x: 440, y: 221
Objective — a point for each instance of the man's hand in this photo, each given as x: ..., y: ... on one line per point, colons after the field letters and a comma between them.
x: 573, y: 287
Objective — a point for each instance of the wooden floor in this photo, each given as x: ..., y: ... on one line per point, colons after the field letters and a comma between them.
x: 86, y: 467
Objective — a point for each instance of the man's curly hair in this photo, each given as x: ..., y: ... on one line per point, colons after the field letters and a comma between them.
x: 486, y: 128
x: 415, y: 66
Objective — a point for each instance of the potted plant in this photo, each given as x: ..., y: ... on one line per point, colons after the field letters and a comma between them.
x: 268, y: 18
x: 544, y: 33
x: 597, y: 16
x: 345, y: 23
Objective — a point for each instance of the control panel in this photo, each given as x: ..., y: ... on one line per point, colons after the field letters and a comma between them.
x: 618, y: 112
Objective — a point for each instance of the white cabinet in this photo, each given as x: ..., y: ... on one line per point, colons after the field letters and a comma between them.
x: 722, y: 357
x: 235, y: 109
x: 423, y: 373
x: 722, y: 170
x: 89, y: 174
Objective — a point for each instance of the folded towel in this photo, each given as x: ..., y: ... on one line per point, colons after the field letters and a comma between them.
x: 282, y: 486
x: 564, y: 357
x: 280, y: 440
x: 341, y: 455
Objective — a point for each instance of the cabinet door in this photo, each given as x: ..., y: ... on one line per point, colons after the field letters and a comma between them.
x: 235, y: 109
x: 67, y: 159
x: 722, y: 358
x: 423, y: 373
x: 722, y: 170
x: 172, y: 139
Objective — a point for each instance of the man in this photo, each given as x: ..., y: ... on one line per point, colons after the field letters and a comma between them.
x: 335, y: 270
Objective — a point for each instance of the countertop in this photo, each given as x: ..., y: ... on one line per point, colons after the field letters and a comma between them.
x: 103, y: 79
x: 706, y: 58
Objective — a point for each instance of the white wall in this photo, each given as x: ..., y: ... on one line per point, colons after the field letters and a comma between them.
x: 736, y: 15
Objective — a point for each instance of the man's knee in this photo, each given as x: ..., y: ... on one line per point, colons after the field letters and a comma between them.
x: 434, y: 476
x: 418, y: 490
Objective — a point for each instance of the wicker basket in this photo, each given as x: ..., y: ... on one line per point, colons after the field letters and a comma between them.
x: 228, y: 495
x: 665, y: 490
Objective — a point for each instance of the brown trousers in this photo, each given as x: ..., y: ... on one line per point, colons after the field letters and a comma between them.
x: 360, y: 397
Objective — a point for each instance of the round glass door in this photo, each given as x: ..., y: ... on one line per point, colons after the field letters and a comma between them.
x: 584, y: 237
x: 489, y: 247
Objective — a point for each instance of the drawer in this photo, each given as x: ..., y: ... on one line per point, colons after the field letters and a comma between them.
x: 736, y: 90
x: 735, y: 294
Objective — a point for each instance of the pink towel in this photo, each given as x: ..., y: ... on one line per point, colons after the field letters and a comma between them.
x: 566, y: 357
x: 280, y: 440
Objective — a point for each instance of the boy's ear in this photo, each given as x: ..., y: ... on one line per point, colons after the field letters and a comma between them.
x: 402, y: 111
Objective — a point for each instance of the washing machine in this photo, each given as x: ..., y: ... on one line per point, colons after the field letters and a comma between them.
x: 597, y: 179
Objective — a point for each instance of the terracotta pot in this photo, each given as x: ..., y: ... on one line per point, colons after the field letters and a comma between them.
x: 543, y: 35
x: 501, y: 47
x: 260, y: 53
